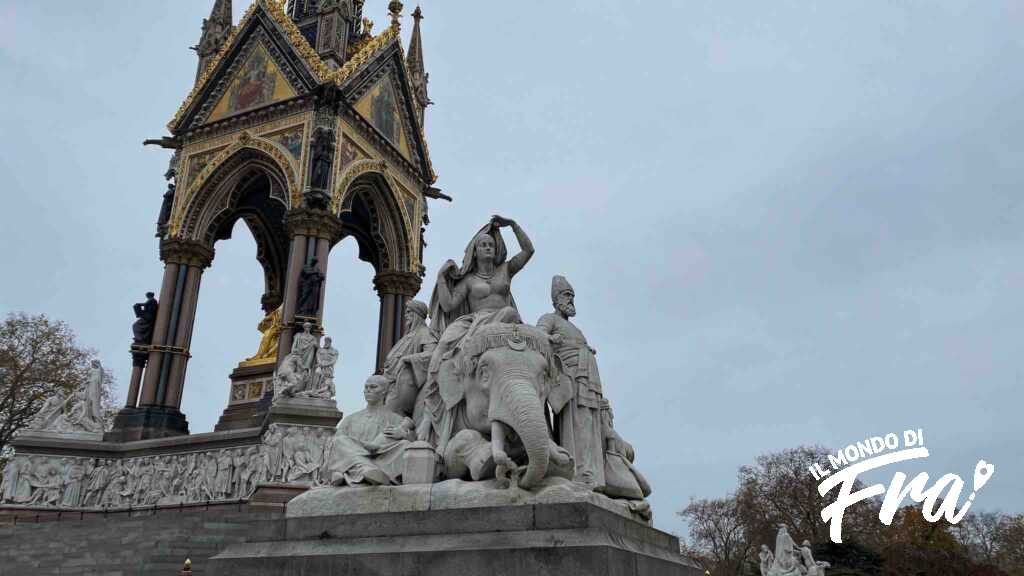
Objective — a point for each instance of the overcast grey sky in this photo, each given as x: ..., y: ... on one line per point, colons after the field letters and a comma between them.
x: 787, y: 222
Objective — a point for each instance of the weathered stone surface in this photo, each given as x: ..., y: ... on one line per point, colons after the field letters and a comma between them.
x: 449, y: 494
x: 537, y: 539
x: 140, y: 543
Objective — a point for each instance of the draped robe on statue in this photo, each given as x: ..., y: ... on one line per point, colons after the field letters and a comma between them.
x: 413, y: 353
x: 454, y: 326
x: 361, y: 453
x: 786, y: 563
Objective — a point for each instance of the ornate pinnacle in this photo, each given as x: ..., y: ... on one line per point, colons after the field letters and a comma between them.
x: 395, y: 8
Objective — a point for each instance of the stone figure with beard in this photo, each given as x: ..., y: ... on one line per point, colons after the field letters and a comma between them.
x: 579, y: 417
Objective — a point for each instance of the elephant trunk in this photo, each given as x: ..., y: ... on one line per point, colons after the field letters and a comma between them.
x: 528, y: 421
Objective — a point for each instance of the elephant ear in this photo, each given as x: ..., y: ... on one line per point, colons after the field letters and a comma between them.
x: 561, y: 389
x: 451, y: 383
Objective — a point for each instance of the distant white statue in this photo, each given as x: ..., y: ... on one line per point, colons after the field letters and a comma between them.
x: 790, y: 560
x: 813, y: 568
x: 80, y: 412
x: 767, y: 559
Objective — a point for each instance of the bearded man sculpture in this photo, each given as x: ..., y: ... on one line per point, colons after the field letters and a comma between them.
x: 465, y: 298
x: 580, y: 416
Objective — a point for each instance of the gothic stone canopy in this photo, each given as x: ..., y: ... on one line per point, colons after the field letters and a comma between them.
x: 248, y: 134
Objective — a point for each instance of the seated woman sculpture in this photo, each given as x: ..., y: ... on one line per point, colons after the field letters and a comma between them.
x: 369, y: 444
x: 467, y: 297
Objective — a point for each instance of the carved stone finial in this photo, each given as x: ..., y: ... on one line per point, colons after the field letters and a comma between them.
x: 395, y: 8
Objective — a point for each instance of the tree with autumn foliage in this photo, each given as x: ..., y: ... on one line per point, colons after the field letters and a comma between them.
x: 39, y: 357
x: 725, y: 534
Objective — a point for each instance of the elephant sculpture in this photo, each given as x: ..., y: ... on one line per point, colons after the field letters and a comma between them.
x: 491, y: 418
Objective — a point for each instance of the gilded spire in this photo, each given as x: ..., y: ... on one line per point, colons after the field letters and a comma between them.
x: 414, y: 60
x: 216, y: 30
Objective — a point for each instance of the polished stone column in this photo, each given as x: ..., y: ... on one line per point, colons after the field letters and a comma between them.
x: 157, y: 414
x: 394, y: 289
x: 163, y: 316
x: 296, y: 259
x: 313, y: 233
x: 183, y: 338
x: 138, y: 365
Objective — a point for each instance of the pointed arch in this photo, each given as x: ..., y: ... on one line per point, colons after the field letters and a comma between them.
x: 367, y: 202
x: 245, y: 151
x: 251, y: 181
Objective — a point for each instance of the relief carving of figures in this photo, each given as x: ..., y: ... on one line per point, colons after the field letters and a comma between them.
x: 299, y: 454
x: 273, y: 452
x: 369, y: 444
x: 45, y: 484
x: 579, y: 415
x: 97, y: 484
x: 74, y: 476
x: 223, y: 478
x: 305, y: 458
x: 9, y: 483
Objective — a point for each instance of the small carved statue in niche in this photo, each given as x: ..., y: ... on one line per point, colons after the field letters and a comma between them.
x: 322, y: 158
x: 165, y: 210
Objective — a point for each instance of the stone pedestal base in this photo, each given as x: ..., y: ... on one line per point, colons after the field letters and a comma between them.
x: 146, y: 423
x: 572, y: 539
x: 251, y: 392
x: 308, y: 411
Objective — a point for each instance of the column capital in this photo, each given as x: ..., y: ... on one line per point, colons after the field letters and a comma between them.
x: 313, y: 222
x: 395, y: 282
x: 187, y: 252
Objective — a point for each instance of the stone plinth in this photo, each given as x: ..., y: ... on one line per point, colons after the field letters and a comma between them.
x: 275, y: 495
x: 450, y: 495
x: 571, y: 539
x: 251, y: 392
x: 308, y: 411
x: 147, y: 422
